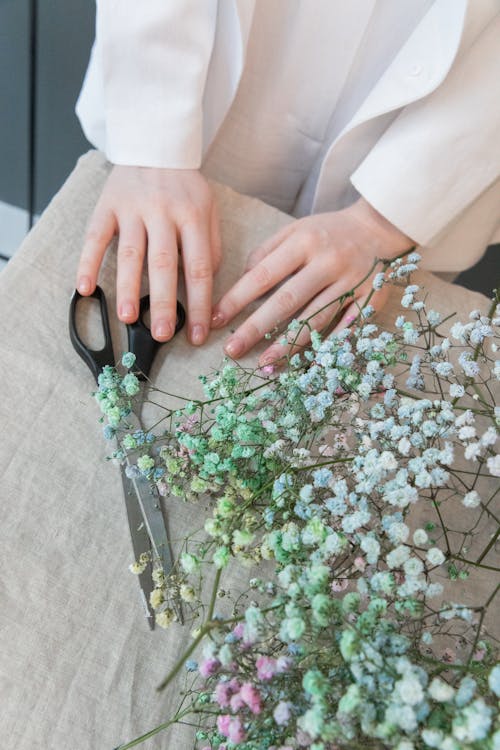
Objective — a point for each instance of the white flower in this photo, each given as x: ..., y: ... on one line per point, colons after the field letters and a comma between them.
x: 420, y: 537
x: 467, y: 432
x: 471, y: 499
x: 434, y: 589
x: 467, y: 417
x: 473, y: 451
x: 398, y: 556
x: 489, y: 437
x: 413, y: 567
x: 404, y: 446
x: 440, y: 691
x: 493, y: 464
x: 456, y: 390
x: 435, y: 556
x: 398, y: 532
x: 410, y: 690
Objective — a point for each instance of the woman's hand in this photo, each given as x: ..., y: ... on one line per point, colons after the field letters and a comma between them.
x: 161, y: 210
x: 324, y: 256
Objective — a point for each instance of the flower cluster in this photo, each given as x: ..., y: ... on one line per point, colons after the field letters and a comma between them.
x: 341, y: 477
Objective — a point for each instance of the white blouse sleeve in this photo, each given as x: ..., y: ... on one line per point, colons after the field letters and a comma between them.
x: 441, y: 153
x: 141, y: 102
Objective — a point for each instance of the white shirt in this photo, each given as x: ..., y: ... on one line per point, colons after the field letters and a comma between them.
x: 308, y: 103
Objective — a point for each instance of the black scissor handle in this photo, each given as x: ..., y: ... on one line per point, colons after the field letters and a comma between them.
x: 140, y: 341
x: 94, y: 359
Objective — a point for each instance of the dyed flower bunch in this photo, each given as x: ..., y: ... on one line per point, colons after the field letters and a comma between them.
x: 341, y: 477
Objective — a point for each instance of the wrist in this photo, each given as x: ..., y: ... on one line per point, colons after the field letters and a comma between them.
x: 390, y: 239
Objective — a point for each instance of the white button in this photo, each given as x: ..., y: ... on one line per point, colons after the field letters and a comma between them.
x: 415, y: 69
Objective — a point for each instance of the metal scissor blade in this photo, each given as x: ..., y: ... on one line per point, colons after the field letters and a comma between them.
x: 140, y: 544
x: 149, y: 504
x: 148, y: 500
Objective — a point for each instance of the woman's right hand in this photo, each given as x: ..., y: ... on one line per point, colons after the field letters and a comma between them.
x: 157, y: 212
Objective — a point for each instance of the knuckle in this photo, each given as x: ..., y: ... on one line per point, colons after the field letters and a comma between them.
x: 261, y: 276
x: 199, y: 270
x: 164, y: 261
x: 252, y: 332
x: 286, y: 302
x: 129, y: 253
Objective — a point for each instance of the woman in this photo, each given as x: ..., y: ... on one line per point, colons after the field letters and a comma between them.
x: 373, y: 122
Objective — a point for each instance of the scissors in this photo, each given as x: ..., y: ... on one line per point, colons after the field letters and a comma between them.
x: 142, y: 500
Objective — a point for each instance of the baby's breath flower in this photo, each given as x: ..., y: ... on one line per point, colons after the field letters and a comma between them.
x: 434, y: 556
x: 128, y: 360
x: 165, y: 618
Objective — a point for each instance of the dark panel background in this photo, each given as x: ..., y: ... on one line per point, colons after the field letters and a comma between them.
x: 44, y: 50
x: 14, y: 101
x: 65, y: 32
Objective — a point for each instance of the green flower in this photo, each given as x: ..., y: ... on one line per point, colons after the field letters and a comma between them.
x: 221, y: 557
x: 321, y: 609
x: 130, y: 384
x: 315, y: 683
x: 349, y: 644
x: 145, y: 463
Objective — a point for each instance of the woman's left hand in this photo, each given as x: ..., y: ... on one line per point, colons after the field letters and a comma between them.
x: 323, y: 257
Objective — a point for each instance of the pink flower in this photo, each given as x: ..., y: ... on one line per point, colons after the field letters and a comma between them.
x: 252, y: 697
x: 479, y: 654
x: 238, y: 630
x: 266, y: 667
x: 236, y: 702
x: 303, y: 739
x: 449, y: 655
x: 283, y: 664
x: 209, y: 666
x: 339, y: 584
x: 223, y: 723
x: 360, y: 563
x: 236, y: 733
x: 224, y: 691
x: 231, y: 727
x: 162, y: 489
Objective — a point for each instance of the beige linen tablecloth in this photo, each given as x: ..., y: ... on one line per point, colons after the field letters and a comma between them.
x: 78, y: 666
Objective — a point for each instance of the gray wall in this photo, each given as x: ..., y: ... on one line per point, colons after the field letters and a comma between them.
x: 59, y: 33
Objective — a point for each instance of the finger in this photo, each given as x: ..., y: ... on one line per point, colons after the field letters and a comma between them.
x: 286, y: 300
x: 318, y: 316
x: 260, y: 252
x: 197, y: 263
x: 286, y: 259
x: 352, y: 313
x: 162, y: 272
x: 215, y: 238
x: 100, y: 232
x: 130, y: 259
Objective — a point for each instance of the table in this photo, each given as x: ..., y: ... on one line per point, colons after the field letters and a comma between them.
x: 78, y: 666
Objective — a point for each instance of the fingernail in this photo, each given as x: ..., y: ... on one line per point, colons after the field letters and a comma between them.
x: 217, y: 320
x: 163, y: 330
x: 266, y: 369
x: 234, y: 347
x: 127, y: 310
x: 197, y: 334
x: 268, y: 360
x: 83, y: 285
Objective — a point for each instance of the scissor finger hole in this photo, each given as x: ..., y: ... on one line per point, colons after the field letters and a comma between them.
x: 88, y: 322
